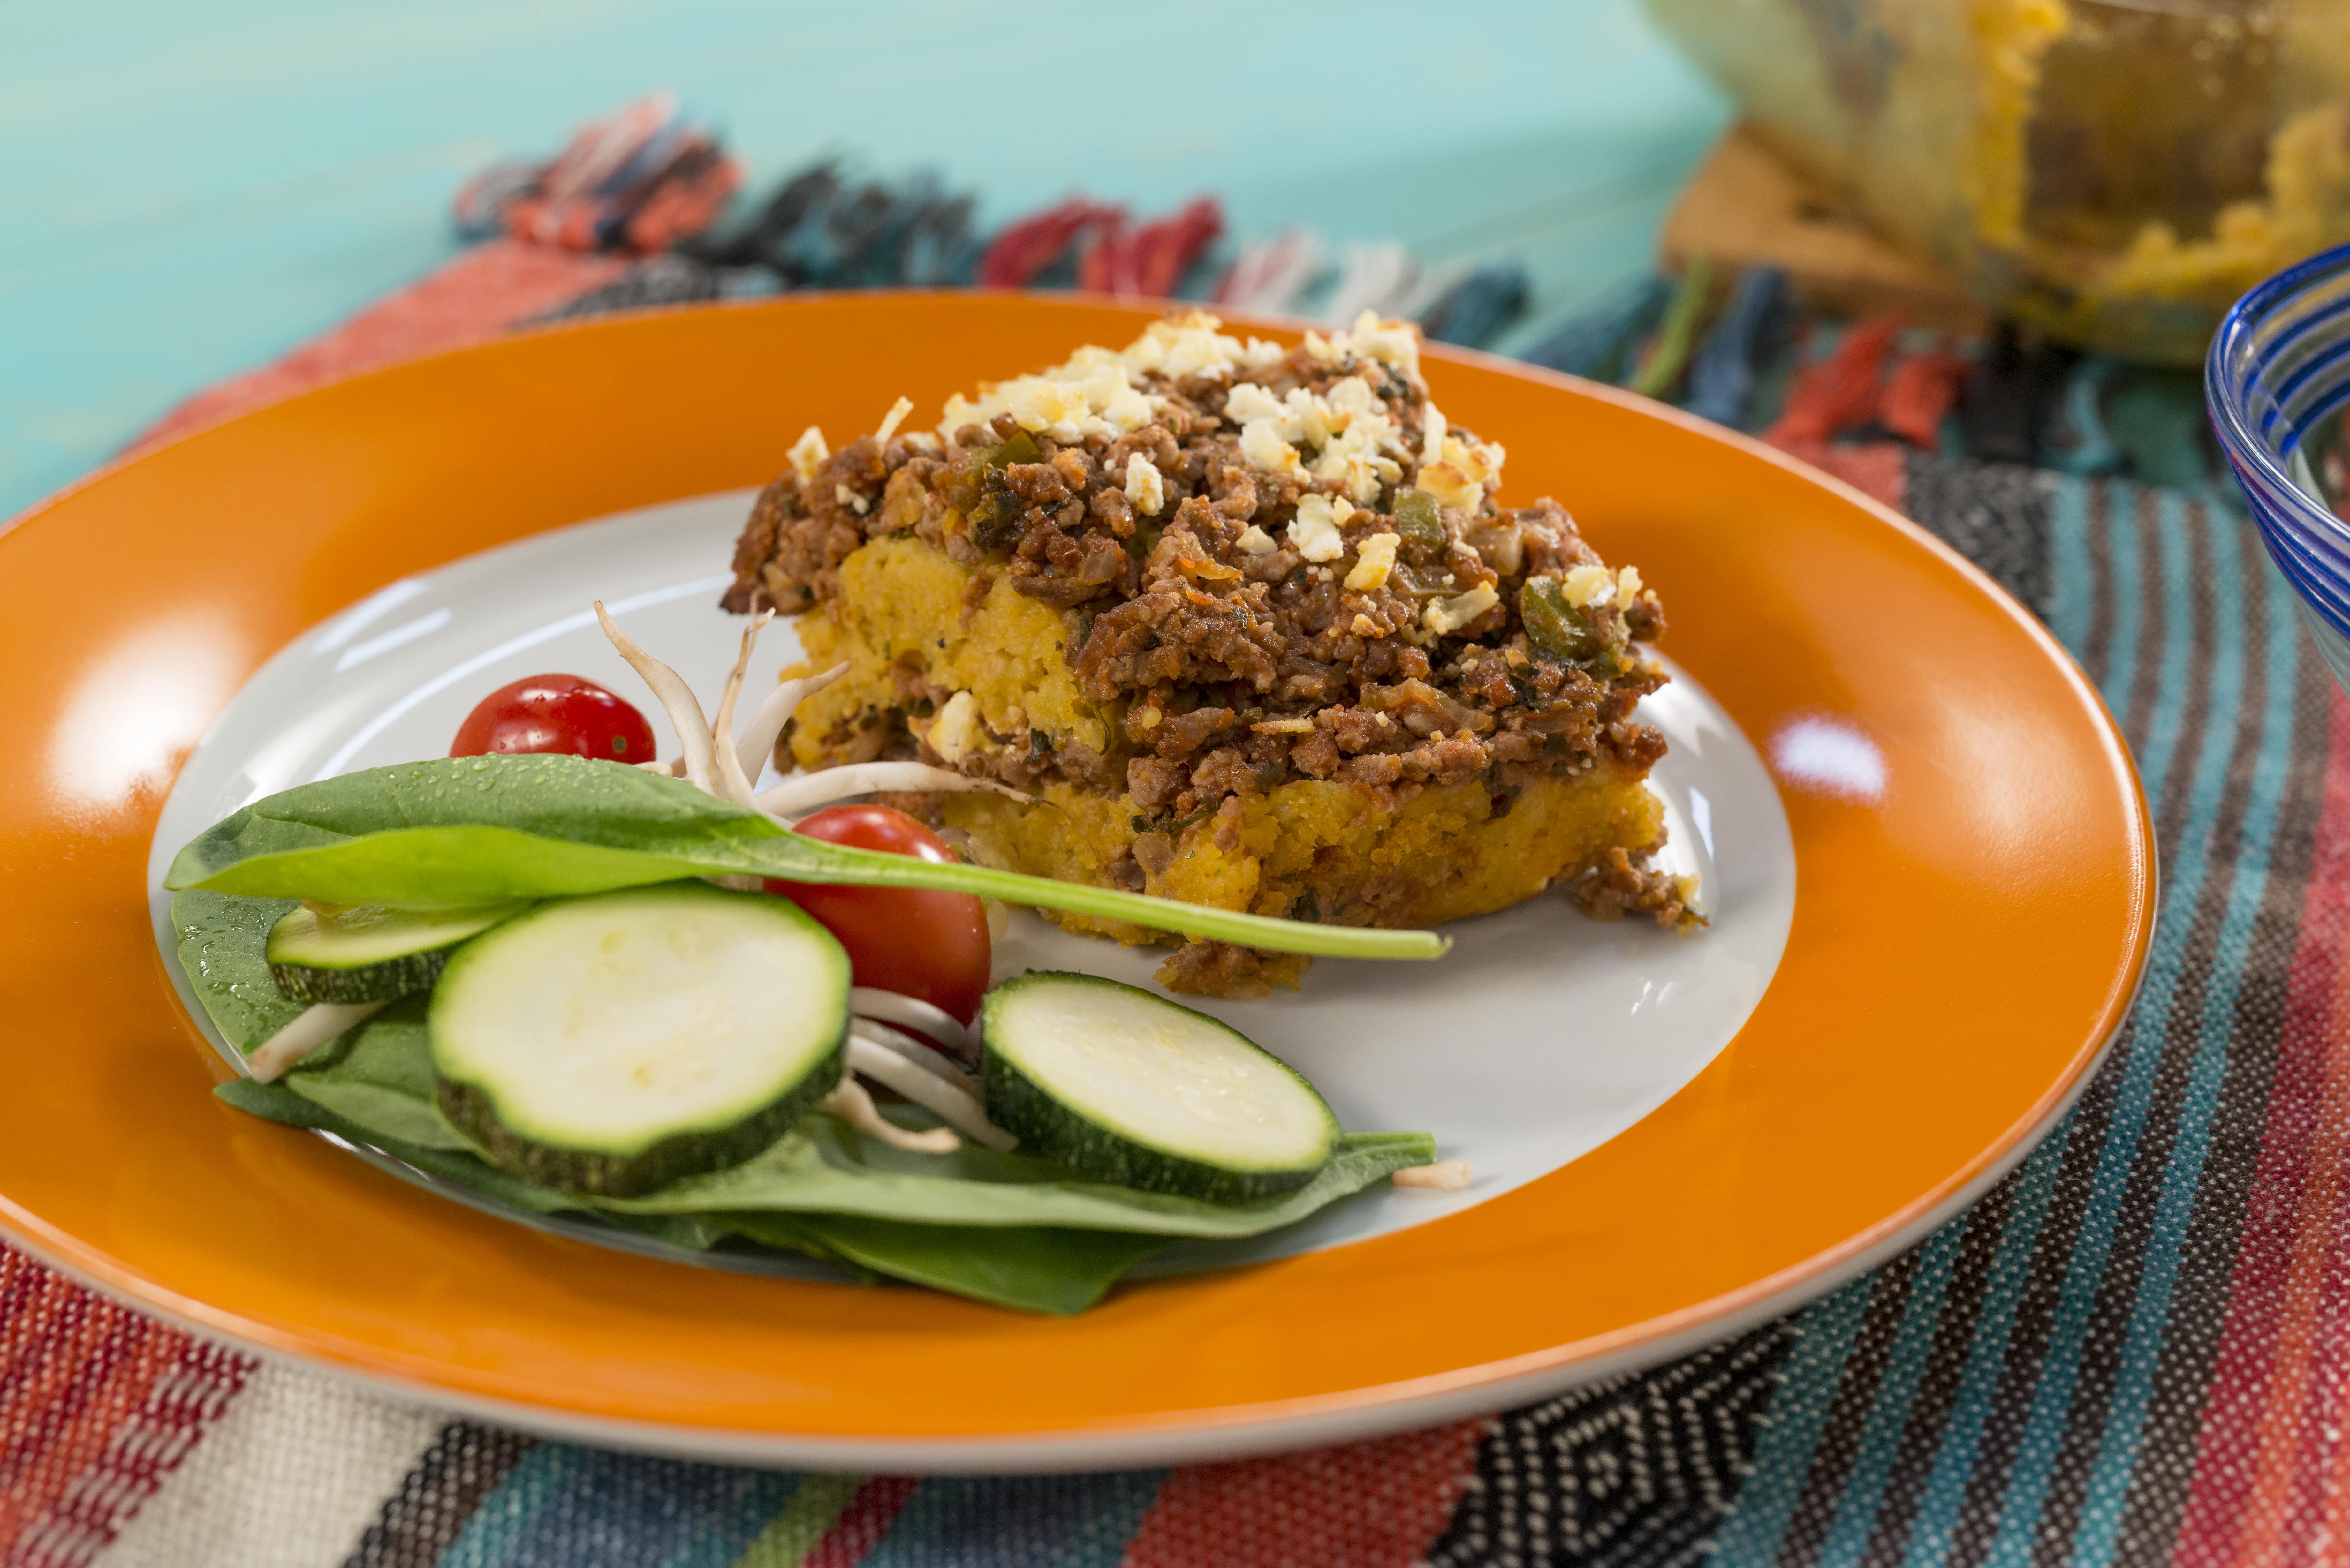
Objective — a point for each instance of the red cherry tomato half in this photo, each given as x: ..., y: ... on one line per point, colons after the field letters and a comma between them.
x: 912, y: 941
x: 565, y: 713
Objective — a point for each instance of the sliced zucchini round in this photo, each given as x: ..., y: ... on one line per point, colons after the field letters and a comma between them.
x: 367, y: 953
x: 613, y: 1044
x: 1125, y: 1086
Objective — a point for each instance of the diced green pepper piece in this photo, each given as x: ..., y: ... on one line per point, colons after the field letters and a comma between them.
x: 1561, y: 632
x: 1418, y: 521
x: 1019, y: 448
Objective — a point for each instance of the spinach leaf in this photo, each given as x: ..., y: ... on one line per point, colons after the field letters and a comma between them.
x: 223, y: 944
x: 824, y: 1166
x: 1025, y: 1268
x: 457, y: 831
x: 379, y: 1077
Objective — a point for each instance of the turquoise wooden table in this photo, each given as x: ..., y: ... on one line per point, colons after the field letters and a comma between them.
x: 187, y: 190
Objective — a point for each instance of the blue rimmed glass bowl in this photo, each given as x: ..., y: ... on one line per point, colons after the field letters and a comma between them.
x: 2278, y: 382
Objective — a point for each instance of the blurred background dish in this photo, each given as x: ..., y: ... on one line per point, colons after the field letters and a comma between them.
x: 2279, y: 381
x: 2114, y: 172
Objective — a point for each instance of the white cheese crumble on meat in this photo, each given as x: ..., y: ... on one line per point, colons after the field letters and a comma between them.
x: 1373, y: 561
x: 1314, y: 532
x: 808, y: 452
x: 1143, y: 485
x: 1255, y: 540
x: 1586, y: 586
x: 1262, y: 446
x: 1444, y: 617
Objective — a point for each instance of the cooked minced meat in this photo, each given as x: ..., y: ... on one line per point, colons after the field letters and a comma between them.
x: 1263, y: 557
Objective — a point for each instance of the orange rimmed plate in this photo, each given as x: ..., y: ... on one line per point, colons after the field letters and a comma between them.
x: 1974, y: 907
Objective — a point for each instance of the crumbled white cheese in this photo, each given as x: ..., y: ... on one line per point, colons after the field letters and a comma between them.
x: 1392, y: 343
x: 1309, y: 418
x: 893, y: 419
x: 850, y: 499
x: 1479, y: 460
x: 1054, y: 407
x: 1444, y: 617
x: 1090, y: 394
x: 1366, y: 627
x: 1354, y: 396
x: 808, y: 452
x: 1190, y: 345
x: 1314, y: 532
x: 1262, y: 446
x: 1255, y: 540
x: 1373, y: 561
x: 1627, y: 586
x: 1431, y: 437
x: 1249, y: 400
x: 1586, y: 586
x: 1444, y: 1175
x: 956, y: 732
x: 1450, y: 486
x: 1144, y: 487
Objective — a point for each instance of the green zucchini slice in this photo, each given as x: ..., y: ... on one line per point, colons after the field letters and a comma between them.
x: 1125, y: 1086
x: 613, y: 1044
x: 369, y: 954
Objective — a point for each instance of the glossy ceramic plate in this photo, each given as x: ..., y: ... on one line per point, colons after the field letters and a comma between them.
x: 1925, y: 934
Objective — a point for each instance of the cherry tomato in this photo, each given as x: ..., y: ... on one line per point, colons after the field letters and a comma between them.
x: 556, y: 713
x: 912, y: 941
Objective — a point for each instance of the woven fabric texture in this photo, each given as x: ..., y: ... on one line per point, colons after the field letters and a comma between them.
x: 2133, y: 1351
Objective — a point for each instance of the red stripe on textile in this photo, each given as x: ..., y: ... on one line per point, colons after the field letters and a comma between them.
x: 2277, y: 1389
x: 144, y: 1449
x: 1015, y: 257
x: 1840, y: 391
x: 1878, y: 469
x: 1362, y: 1505
x: 73, y: 1367
x: 1922, y: 390
x: 475, y: 296
x: 862, y: 1522
x: 1147, y: 263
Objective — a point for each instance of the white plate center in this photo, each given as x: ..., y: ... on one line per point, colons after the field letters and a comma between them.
x: 1540, y: 1037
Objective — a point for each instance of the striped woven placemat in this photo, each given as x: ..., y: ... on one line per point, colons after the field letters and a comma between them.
x: 2132, y: 1351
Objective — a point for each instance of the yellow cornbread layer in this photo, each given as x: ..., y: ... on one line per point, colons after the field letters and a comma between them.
x: 1329, y: 849
x: 901, y: 606
x: 1306, y: 849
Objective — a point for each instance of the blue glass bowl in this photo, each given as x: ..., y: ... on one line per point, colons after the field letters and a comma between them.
x: 2277, y: 380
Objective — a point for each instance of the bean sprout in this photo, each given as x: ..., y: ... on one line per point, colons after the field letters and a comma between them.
x: 952, y: 1104
x: 732, y: 782
x: 852, y: 1104
x: 313, y: 1027
x: 803, y: 792
x: 676, y: 699
x: 913, y: 1013
x: 768, y: 719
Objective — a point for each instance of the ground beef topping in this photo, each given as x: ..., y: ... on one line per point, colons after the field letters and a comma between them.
x: 1271, y: 564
